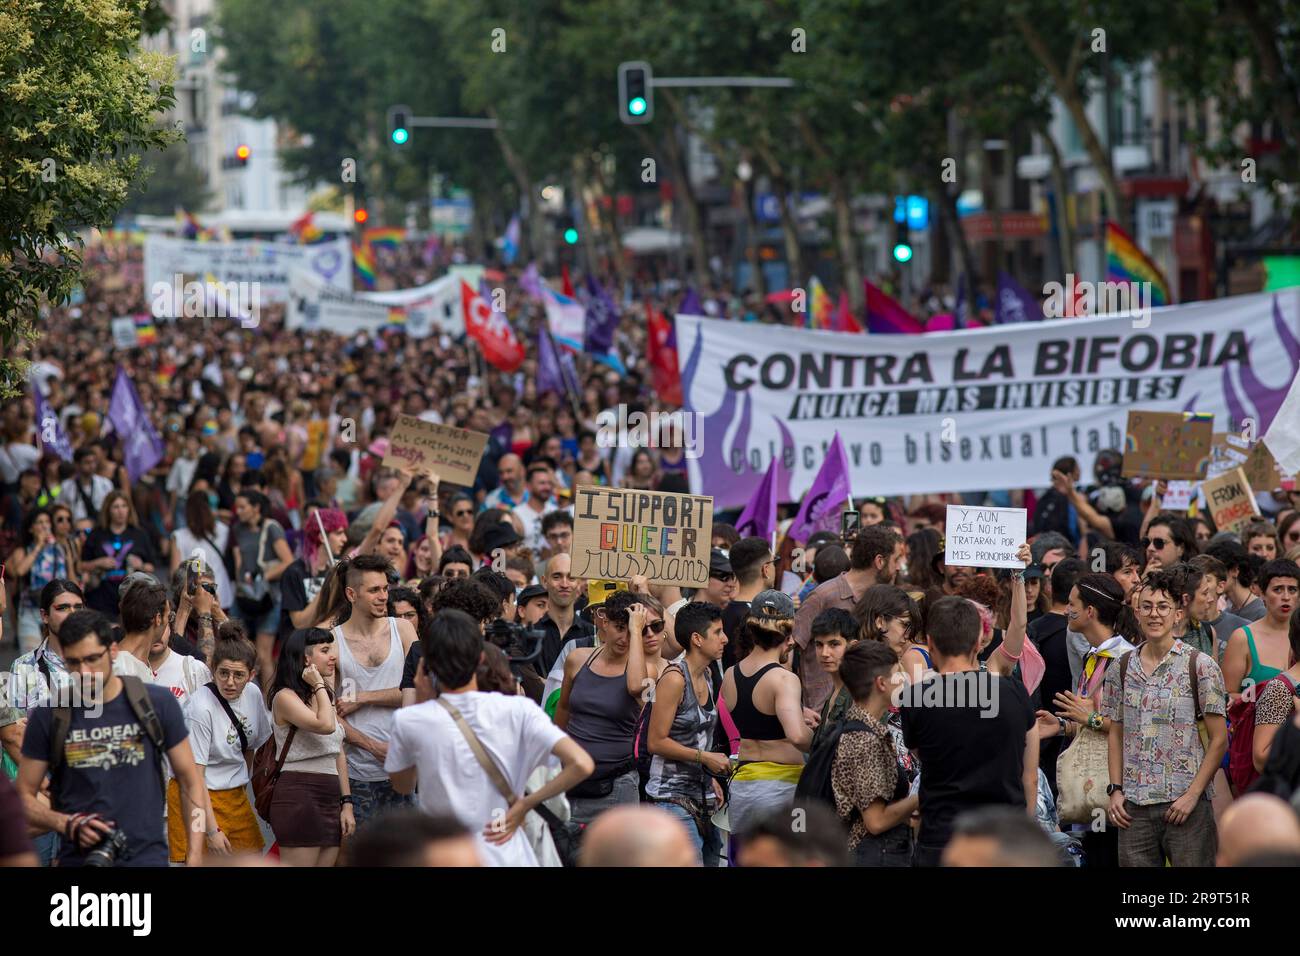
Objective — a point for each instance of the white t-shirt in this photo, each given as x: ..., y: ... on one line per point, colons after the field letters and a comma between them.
x: 184, y: 676
x: 532, y: 522
x: 215, y: 741
x: 15, y: 458
x: 514, y: 731
x: 129, y: 665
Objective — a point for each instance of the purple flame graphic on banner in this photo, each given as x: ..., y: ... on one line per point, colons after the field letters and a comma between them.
x: 731, y: 488
x: 1266, y: 401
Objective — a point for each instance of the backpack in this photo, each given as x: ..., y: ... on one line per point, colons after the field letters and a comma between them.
x: 266, y: 771
x: 137, y: 695
x: 1241, y: 745
x: 815, y: 781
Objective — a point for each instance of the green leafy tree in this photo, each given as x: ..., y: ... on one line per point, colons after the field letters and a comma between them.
x: 168, y: 180
x: 77, y: 95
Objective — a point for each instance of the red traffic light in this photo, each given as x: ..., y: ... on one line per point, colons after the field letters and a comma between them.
x: 242, y: 152
x: 360, y: 215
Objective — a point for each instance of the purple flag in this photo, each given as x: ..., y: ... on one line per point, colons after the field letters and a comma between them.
x: 759, y: 517
x: 142, y: 446
x: 690, y: 304
x: 53, y: 437
x: 550, y: 376
x: 1015, y: 304
x: 531, y: 282
x: 820, y: 510
x: 602, y: 319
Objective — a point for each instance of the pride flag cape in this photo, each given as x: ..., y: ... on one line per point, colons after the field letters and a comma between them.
x: 1126, y: 262
x: 364, y: 260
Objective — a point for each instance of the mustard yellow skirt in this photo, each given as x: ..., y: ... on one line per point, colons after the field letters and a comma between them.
x: 234, y: 815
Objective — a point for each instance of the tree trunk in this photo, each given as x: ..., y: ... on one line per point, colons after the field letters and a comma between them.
x: 850, y: 262
x: 525, y: 183
x: 1069, y: 94
x: 1064, y: 234
x: 992, y: 206
x: 694, y: 217
x: 1273, y: 73
x: 789, y: 225
x: 948, y: 209
x: 758, y: 280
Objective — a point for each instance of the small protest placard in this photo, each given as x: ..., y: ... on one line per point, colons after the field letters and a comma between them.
x: 450, y: 453
x: 1261, y: 469
x: 1230, y: 501
x: 125, y: 335
x: 1178, y: 496
x: 1167, y: 445
x: 984, y: 537
x: 621, y: 532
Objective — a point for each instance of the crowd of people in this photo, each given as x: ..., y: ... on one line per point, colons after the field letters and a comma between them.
x: 270, y: 643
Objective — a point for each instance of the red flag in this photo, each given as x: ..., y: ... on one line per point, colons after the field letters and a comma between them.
x: 491, y: 331
x: 661, y: 352
x: 844, y: 320
x: 568, y: 284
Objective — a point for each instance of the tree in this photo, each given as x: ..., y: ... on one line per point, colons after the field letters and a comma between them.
x: 77, y: 95
x: 168, y: 181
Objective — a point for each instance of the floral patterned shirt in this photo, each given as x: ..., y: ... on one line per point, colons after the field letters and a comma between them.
x: 1162, y: 747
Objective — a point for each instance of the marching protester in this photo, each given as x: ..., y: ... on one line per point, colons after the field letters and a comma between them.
x: 1160, y: 768
x: 311, y: 806
x: 260, y: 556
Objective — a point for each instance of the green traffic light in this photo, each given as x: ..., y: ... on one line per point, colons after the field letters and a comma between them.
x: 637, y: 106
x: 903, y: 252
x: 571, y: 236
x: 400, y: 136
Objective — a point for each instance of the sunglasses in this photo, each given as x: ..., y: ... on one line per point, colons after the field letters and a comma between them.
x: 461, y: 514
x: 655, y: 627
x: 1157, y: 543
x: 724, y: 578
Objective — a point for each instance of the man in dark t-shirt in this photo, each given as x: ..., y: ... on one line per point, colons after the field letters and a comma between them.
x: 110, y: 776
x: 973, y: 732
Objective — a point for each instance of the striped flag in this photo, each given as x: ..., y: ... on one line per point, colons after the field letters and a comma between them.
x: 1126, y: 262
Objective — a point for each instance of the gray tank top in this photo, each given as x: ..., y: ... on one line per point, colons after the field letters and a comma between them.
x: 692, y: 727
x: 311, y: 753
x: 602, y: 716
x: 373, y: 721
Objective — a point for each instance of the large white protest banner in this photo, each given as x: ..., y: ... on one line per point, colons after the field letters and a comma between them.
x: 422, y: 311
x: 268, y: 264
x: 973, y: 410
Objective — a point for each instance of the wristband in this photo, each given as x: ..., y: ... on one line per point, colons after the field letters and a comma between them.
x: 345, y: 800
x: 1063, y: 725
x: 1094, y: 720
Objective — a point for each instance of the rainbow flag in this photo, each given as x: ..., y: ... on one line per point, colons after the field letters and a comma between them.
x: 820, y: 314
x: 396, y: 315
x: 146, y: 333
x: 1126, y: 262
x: 364, y: 260
x: 886, y: 317
x: 305, y: 230
x: 388, y: 236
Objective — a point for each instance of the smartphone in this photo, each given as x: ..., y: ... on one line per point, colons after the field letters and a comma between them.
x: 192, y: 579
x: 849, y: 521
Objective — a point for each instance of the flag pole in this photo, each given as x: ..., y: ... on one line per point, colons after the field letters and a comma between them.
x: 329, y: 553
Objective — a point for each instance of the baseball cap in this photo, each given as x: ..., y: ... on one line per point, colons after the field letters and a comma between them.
x: 500, y: 535
x: 530, y: 592
x: 1033, y: 571
x: 773, y: 604
x: 719, y: 563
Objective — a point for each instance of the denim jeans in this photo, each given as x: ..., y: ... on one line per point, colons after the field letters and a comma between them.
x: 373, y: 798
x: 585, y: 809
x: 708, y: 846
x: 891, y: 848
x: 47, y: 847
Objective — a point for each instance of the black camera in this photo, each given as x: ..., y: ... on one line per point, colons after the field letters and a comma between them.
x: 107, y: 851
x: 522, y: 645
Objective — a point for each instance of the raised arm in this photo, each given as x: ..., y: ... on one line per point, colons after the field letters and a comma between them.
x: 387, y: 511
x: 1013, y: 641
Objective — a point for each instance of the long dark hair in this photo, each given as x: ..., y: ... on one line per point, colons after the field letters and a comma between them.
x: 293, y: 658
x: 922, y: 546
x: 1103, y: 592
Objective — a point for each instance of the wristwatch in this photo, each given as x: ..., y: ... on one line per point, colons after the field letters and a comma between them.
x: 1113, y: 788
x: 1062, y: 722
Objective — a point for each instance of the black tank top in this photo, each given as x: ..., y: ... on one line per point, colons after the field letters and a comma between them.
x: 750, y: 721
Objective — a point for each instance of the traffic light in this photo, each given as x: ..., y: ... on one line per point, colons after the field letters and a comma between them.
x: 360, y: 216
x: 399, y: 124
x: 636, y: 101
x: 242, y: 152
x: 902, y: 242
x: 569, y: 230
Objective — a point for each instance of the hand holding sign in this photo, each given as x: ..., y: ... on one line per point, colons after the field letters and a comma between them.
x: 985, y: 537
x: 420, y: 447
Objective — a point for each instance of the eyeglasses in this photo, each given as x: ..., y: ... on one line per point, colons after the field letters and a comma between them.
x: 462, y: 514
x: 72, y: 663
x: 655, y: 627
x: 1163, y: 610
x: 63, y: 518
x: 1157, y: 543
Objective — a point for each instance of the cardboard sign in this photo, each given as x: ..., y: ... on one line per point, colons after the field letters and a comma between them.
x: 1227, y: 452
x: 1167, y: 445
x: 1261, y: 469
x: 984, y: 537
x: 621, y: 532
x: 452, y: 454
x: 1230, y: 501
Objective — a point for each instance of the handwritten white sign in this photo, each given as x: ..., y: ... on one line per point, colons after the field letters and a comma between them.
x: 984, y: 537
